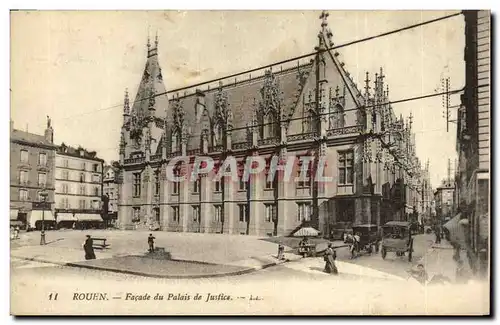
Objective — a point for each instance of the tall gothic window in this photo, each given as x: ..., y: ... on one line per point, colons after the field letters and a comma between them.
x: 175, y: 141
x: 157, y: 182
x: 346, y: 167
x: 137, y: 184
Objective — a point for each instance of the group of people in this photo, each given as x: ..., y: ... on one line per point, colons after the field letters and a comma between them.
x: 88, y: 246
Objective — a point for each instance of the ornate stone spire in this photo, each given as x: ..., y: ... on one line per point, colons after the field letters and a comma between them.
x: 152, y: 49
x: 126, y: 104
x: 367, y: 85
x: 326, y: 32
x: 152, y: 100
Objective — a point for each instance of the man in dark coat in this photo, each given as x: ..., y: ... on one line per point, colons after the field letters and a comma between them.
x: 88, y: 247
x: 151, y: 243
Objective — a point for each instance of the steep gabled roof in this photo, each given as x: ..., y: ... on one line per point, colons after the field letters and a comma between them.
x: 241, y: 98
x: 151, y: 84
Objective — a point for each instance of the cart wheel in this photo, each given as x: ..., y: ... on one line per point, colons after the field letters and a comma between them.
x: 384, y: 252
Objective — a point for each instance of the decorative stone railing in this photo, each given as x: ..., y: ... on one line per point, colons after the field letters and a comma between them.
x: 300, y: 137
x: 266, y: 142
x: 155, y: 157
x: 136, y: 160
x: 346, y: 130
x: 193, y: 152
x: 173, y: 154
x: 240, y: 146
x: 218, y: 148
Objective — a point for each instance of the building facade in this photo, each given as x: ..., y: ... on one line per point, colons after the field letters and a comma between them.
x: 473, y: 137
x: 78, y: 185
x: 110, y: 189
x: 32, y: 161
x: 312, y: 109
x: 444, y: 196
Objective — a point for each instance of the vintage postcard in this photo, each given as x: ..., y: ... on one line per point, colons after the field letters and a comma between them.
x: 250, y: 162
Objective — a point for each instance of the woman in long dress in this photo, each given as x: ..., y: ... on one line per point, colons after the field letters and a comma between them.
x: 88, y: 247
x: 330, y: 256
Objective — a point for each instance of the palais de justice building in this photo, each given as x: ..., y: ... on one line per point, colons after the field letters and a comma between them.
x: 312, y: 109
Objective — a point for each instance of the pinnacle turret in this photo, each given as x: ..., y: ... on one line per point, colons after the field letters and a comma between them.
x: 126, y: 104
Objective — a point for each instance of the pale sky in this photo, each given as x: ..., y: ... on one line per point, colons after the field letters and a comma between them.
x: 74, y: 66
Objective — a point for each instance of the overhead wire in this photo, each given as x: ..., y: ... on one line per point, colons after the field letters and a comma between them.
x: 369, y: 38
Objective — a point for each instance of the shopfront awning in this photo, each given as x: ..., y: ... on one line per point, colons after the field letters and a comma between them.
x: 457, y: 230
x: 13, y: 214
x: 65, y: 217
x: 88, y: 217
x: 36, y: 215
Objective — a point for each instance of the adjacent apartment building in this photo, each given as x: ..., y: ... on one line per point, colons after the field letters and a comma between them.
x: 444, y: 197
x: 473, y: 137
x: 32, y: 167
x: 308, y: 109
x: 110, y: 190
x: 78, y: 190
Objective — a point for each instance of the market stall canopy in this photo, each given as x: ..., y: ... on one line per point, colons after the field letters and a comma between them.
x: 65, y: 217
x: 13, y: 214
x: 88, y: 217
x: 397, y: 224
x: 306, y: 232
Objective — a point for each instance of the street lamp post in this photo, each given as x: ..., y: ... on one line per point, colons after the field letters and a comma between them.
x: 44, y: 195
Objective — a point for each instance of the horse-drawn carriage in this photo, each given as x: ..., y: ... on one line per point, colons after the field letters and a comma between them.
x: 365, y: 238
x: 397, y: 237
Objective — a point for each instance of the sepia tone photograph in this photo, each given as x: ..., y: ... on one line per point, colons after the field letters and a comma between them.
x: 196, y: 162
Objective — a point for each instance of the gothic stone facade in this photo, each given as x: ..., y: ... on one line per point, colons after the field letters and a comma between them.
x: 312, y: 109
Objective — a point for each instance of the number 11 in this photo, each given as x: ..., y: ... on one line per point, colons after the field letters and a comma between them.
x: 53, y: 296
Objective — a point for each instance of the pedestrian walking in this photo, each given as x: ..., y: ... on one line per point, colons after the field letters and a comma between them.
x: 151, y: 243
x: 16, y: 232
x: 330, y: 256
x: 88, y: 247
x: 438, y: 235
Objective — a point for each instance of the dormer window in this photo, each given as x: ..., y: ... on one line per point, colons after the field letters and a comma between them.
x: 269, y: 128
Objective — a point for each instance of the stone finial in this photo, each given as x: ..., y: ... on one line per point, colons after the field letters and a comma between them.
x: 324, y: 19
